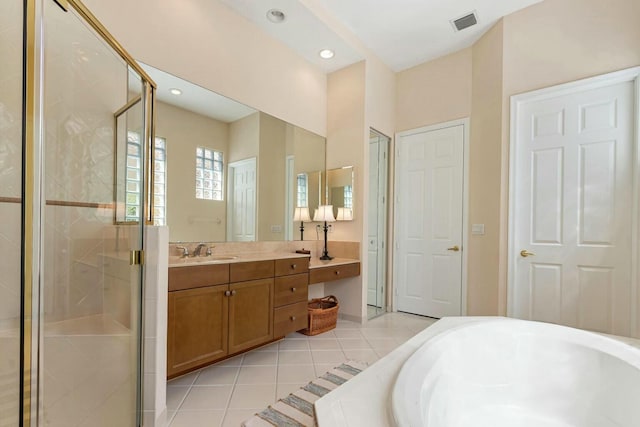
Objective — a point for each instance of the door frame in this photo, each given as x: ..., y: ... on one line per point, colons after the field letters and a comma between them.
x: 517, y: 102
x: 466, y: 124
x: 383, y: 211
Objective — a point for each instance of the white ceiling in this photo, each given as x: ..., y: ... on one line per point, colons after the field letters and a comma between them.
x: 402, y: 33
x: 196, y: 98
x: 301, y: 30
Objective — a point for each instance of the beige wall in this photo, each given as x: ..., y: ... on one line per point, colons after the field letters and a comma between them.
x: 345, y: 146
x: 244, y: 138
x: 271, y: 178
x: 434, y: 92
x: 208, y: 44
x: 484, y: 173
x: 552, y: 42
x: 190, y: 219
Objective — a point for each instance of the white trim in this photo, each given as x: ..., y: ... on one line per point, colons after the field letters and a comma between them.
x: 517, y: 101
x: 635, y: 245
x: 466, y: 126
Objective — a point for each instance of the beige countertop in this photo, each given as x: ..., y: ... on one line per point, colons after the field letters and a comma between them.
x: 176, y: 261
x: 318, y: 263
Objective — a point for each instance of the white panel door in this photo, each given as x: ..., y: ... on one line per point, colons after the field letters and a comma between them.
x: 572, y: 213
x: 241, y: 211
x: 429, y: 222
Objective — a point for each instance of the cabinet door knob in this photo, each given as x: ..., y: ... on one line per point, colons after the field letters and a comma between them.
x: 337, y: 272
x: 293, y: 318
x: 233, y: 293
x: 227, y: 293
x: 293, y: 266
x: 293, y: 289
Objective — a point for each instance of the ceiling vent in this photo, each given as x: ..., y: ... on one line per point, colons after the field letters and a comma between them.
x: 465, y: 22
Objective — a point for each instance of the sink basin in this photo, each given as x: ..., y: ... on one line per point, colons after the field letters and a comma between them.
x: 219, y: 258
x: 177, y: 260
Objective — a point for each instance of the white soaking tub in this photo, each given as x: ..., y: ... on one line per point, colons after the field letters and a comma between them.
x: 503, y: 372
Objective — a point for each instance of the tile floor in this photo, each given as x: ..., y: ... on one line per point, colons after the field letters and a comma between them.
x: 229, y: 392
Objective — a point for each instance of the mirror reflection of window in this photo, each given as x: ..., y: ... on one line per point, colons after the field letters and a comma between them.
x: 348, y: 196
x: 133, y: 179
x: 303, y: 190
x: 209, y: 167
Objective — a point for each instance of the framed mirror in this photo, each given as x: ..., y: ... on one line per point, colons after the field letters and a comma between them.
x: 231, y: 171
x: 340, y: 192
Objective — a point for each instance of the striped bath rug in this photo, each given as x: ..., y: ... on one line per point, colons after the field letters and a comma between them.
x: 296, y: 410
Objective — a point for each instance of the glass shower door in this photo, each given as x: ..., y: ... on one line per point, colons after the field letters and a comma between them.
x: 90, y: 290
x: 11, y: 56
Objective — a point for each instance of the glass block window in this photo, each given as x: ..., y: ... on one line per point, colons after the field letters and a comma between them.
x: 303, y: 190
x: 209, y: 173
x: 133, y: 175
x: 160, y: 182
x: 348, y: 196
x: 133, y: 184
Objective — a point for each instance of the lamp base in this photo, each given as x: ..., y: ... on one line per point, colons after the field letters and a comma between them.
x: 325, y: 253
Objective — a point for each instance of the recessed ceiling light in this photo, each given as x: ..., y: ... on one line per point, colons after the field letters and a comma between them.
x: 276, y: 16
x: 175, y: 91
x: 326, y: 53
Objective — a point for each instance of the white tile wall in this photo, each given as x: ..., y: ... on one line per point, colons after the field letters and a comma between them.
x: 155, y: 327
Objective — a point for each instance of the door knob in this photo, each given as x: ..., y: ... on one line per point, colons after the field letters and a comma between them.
x: 454, y: 248
x: 233, y: 293
x: 293, y: 289
x: 524, y: 253
x: 227, y: 293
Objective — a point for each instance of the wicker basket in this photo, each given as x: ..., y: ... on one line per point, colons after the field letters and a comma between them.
x: 323, y: 315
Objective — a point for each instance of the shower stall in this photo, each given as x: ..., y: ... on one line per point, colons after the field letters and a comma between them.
x: 76, y: 132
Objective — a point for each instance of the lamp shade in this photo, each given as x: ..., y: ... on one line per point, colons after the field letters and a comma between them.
x: 344, y: 214
x: 324, y: 213
x: 301, y: 214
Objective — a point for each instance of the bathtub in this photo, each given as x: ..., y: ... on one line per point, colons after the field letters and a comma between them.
x: 504, y: 372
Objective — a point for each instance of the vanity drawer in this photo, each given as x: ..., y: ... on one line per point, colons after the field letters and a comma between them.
x: 336, y: 272
x: 290, y: 318
x: 288, y: 266
x: 290, y: 289
x: 197, y: 276
x: 243, y: 271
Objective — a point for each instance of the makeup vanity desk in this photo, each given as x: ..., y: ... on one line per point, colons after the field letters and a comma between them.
x: 335, y: 269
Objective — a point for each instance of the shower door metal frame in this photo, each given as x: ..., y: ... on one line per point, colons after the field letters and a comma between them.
x: 33, y: 199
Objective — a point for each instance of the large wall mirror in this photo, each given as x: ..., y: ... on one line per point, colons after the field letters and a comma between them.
x: 227, y: 172
x: 340, y: 187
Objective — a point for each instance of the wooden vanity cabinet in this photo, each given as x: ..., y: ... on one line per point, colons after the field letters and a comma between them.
x: 219, y: 310
x: 250, y: 314
x: 197, y: 328
x: 291, y: 293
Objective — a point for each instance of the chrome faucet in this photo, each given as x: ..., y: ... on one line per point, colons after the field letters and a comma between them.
x: 209, y: 253
x: 198, y: 250
x: 185, y: 251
